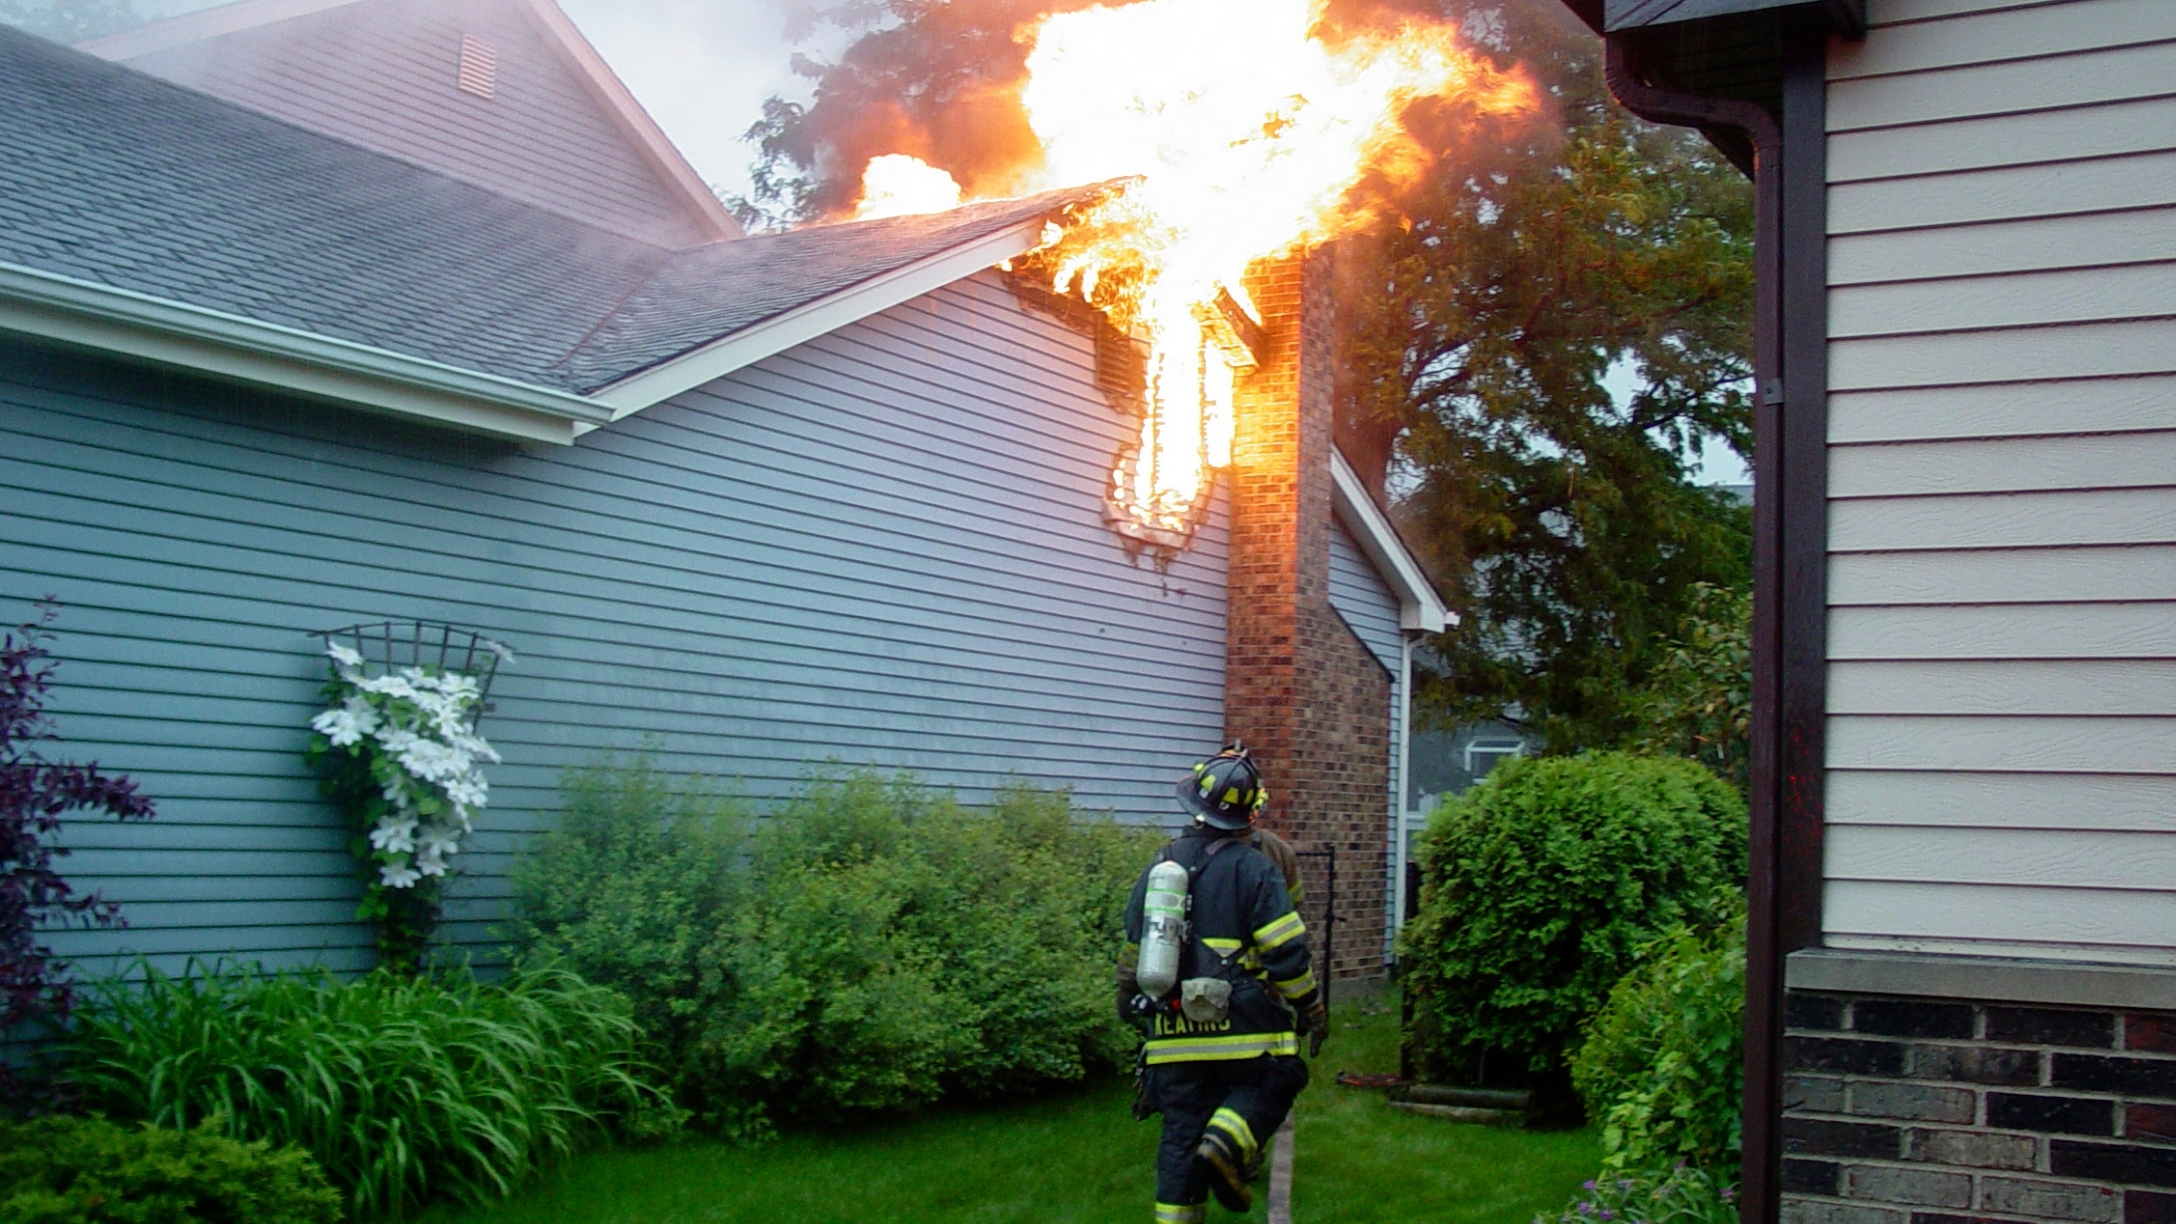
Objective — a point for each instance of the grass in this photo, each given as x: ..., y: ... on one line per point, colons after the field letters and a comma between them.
x: 1073, y: 1158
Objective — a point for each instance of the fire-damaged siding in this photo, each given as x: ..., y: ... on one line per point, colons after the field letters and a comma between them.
x: 884, y: 547
x: 2002, y: 686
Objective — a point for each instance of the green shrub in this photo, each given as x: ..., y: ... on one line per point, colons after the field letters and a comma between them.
x: 1680, y: 1195
x: 628, y: 891
x: 60, y: 1170
x: 403, y: 1089
x: 1662, y: 1068
x: 872, y: 945
x: 1540, y: 886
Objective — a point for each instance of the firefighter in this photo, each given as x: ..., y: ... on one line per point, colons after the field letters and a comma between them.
x: 1221, y: 1060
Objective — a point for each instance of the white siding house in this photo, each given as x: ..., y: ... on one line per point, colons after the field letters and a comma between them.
x: 2002, y: 481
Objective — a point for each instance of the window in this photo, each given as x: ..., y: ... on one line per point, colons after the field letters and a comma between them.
x: 1483, y: 755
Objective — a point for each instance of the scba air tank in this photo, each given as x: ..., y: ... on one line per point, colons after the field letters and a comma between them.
x: 1163, y: 929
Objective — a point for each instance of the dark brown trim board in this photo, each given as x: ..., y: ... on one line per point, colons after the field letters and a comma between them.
x: 1790, y: 622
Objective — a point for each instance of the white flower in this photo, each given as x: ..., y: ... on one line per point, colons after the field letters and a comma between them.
x: 398, y: 875
x: 390, y: 686
x: 469, y: 791
x: 345, y: 725
x: 345, y: 656
x: 394, y: 836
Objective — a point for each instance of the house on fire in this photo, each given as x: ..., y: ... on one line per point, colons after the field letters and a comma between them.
x: 323, y: 312
x: 1962, y: 948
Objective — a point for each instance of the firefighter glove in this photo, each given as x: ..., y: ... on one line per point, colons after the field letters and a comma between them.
x: 1316, y: 1020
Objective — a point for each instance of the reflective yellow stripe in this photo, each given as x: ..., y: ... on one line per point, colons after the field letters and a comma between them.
x: 1220, y: 1049
x: 1299, y: 985
x: 1130, y: 955
x: 1173, y: 1213
x: 1222, y: 946
x: 1229, y: 1121
x: 1280, y: 932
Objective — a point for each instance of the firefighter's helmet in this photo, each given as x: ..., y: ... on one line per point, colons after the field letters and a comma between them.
x: 1225, y: 791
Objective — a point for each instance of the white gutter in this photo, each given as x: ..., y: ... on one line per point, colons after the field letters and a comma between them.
x: 1419, y: 607
x: 140, y: 327
x: 806, y: 322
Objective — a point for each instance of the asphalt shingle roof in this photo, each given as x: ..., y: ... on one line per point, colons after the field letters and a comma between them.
x: 112, y: 176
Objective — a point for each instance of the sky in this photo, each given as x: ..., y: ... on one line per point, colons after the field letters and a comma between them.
x: 702, y: 68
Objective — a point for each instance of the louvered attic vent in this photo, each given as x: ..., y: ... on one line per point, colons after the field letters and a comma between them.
x: 479, y: 67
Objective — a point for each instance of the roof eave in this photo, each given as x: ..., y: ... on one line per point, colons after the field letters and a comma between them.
x: 1419, y: 607
x: 743, y: 348
x: 142, y: 328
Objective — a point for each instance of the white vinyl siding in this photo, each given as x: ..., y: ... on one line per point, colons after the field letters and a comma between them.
x: 2002, y: 480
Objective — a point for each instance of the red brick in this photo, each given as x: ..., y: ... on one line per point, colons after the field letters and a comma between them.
x: 1300, y: 689
x: 2150, y: 1031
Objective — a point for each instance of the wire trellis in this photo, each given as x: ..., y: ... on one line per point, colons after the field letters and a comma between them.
x: 433, y: 646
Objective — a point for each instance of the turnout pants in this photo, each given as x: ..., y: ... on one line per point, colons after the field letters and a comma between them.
x: 1245, y: 1099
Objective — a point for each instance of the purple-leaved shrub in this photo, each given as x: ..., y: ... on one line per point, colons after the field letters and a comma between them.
x: 36, y: 989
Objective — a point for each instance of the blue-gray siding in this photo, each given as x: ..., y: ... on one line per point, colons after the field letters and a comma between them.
x: 1366, y: 603
x: 1361, y: 597
x: 884, y: 547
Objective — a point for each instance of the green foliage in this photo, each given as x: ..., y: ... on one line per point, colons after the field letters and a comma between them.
x: 1682, y: 1195
x: 62, y: 1170
x: 629, y: 890
x: 1540, y: 887
x: 1699, y: 702
x: 1662, y: 1068
x: 403, y: 1089
x: 1555, y: 328
x: 872, y: 945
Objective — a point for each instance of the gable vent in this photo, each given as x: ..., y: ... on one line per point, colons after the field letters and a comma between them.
x: 479, y: 67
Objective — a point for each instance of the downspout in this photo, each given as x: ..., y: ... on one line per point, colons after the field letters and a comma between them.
x: 1405, y: 784
x: 1764, y: 934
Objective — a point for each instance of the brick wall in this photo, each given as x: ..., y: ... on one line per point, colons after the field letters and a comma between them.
x: 1919, y: 1111
x: 1300, y: 689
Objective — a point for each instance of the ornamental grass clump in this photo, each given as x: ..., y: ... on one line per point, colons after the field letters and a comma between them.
x: 1541, y: 887
x: 403, y: 1089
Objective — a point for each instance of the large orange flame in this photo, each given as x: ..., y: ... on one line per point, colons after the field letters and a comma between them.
x: 1239, y: 130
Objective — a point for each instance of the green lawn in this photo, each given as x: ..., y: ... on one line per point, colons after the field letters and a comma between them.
x: 1073, y: 1158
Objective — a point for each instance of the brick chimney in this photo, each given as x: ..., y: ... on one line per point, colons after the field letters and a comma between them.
x: 1302, y: 691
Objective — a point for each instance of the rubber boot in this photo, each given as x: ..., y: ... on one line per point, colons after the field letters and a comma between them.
x: 1227, y: 1171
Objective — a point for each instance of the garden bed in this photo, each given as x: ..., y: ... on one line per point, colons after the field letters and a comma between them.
x: 1073, y: 1158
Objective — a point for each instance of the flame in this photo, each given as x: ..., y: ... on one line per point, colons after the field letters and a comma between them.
x: 1239, y: 128
x: 896, y: 185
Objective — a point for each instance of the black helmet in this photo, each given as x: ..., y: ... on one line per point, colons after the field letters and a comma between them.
x: 1225, y: 791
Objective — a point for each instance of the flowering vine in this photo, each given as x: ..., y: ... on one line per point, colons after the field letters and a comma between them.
x: 400, y: 755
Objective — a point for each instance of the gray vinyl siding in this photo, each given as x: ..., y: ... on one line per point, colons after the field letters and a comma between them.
x: 384, y: 76
x: 1366, y: 604
x: 1363, y: 600
x: 883, y: 548
x: 2002, y: 474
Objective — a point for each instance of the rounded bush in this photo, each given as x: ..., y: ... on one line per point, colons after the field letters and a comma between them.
x: 60, y: 1170
x: 1541, y: 885
x: 1663, y: 1065
x: 872, y: 944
